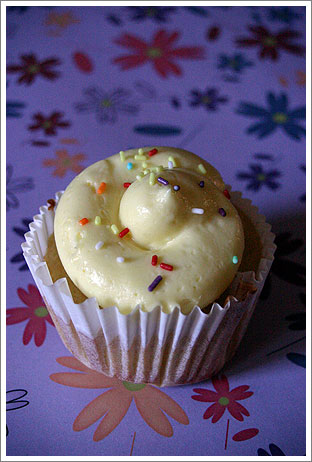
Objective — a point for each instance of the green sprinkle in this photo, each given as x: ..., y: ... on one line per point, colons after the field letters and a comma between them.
x: 152, y: 179
x: 144, y: 164
x: 235, y: 260
x: 114, y: 229
x: 159, y: 168
x: 122, y: 156
x: 139, y: 176
x: 140, y: 151
x: 97, y: 220
x: 146, y: 171
x: 202, y: 169
x: 139, y: 157
x: 172, y: 159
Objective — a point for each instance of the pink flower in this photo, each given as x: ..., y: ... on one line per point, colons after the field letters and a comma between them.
x: 36, y: 313
x: 65, y: 162
x: 112, y: 405
x: 223, y: 399
x: 160, y: 52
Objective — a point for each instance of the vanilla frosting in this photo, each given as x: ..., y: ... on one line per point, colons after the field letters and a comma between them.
x: 180, y: 214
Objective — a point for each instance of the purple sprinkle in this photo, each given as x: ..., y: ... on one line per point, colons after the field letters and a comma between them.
x: 201, y: 184
x: 155, y: 283
x: 222, y: 212
x: 176, y: 187
x: 162, y: 180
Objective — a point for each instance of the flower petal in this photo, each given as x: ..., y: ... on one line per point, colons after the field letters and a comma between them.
x: 112, y: 418
x: 164, y: 40
x: 187, y: 52
x: 221, y: 383
x: 240, y: 392
x: 236, y: 410
x: 295, y: 131
x: 164, y: 67
x: 205, y: 395
x: 252, y: 110
x: 299, y: 113
x: 16, y: 315
x: 215, y: 410
x: 131, y: 41
x: 28, y: 332
x: 153, y: 416
x: 129, y: 61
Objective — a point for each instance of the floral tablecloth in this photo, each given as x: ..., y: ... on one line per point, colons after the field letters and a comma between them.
x: 227, y: 83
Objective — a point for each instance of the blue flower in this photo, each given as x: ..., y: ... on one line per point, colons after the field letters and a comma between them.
x: 235, y: 63
x: 209, y: 98
x: 156, y: 13
x: 18, y: 257
x: 257, y: 177
x: 283, y: 14
x: 17, y: 9
x: 274, y: 450
x: 276, y: 116
x: 16, y: 186
x: 14, y: 108
x: 107, y: 105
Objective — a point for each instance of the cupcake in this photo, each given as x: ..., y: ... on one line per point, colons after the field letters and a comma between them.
x: 150, y: 266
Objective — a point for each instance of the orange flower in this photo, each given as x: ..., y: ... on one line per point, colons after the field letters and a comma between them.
x: 114, y: 403
x: 61, y: 20
x: 65, y: 162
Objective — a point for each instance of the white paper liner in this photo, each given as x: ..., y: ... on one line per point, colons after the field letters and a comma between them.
x: 154, y: 347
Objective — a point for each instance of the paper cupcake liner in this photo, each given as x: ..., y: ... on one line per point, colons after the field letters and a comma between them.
x: 150, y: 347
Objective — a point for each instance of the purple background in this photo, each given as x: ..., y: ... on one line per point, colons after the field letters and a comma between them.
x: 270, y: 170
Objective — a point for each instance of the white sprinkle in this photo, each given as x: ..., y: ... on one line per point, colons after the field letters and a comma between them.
x: 198, y: 211
x: 99, y: 244
x: 120, y: 259
x: 170, y: 164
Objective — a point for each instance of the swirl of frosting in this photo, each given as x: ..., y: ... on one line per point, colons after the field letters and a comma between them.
x: 131, y: 231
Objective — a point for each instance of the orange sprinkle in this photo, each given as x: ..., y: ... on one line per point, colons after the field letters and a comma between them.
x: 101, y: 188
x: 83, y: 221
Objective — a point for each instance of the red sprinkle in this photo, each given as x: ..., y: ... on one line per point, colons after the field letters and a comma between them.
x: 126, y: 185
x: 84, y: 221
x: 227, y: 194
x: 124, y: 232
x: 166, y: 267
x: 154, y: 260
x: 153, y: 152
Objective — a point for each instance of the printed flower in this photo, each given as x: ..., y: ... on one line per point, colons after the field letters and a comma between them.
x: 277, y: 115
x: 298, y: 320
x: 17, y: 9
x: 30, y: 68
x: 107, y: 105
x: 61, y: 20
x: 36, y: 313
x: 274, y: 450
x: 18, y: 257
x: 64, y: 162
x: 223, y: 398
x: 301, y: 78
x: 112, y: 405
x: 209, y: 99
x: 160, y: 52
x: 257, y: 177
x: 283, y: 14
x: 15, y: 402
x: 270, y: 44
x: 14, y: 186
x: 156, y: 13
x: 14, y: 108
x: 48, y: 124
x: 235, y: 63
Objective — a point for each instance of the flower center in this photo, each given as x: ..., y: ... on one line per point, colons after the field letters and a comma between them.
x: 66, y: 162
x: 280, y: 117
x: 154, y: 53
x: 224, y: 401
x: 233, y: 63
x: 41, y: 311
x: 261, y: 177
x: 46, y: 124
x: 269, y: 41
x: 133, y: 386
x: 33, y: 69
x: 206, y: 99
x: 150, y: 12
x: 106, y: 102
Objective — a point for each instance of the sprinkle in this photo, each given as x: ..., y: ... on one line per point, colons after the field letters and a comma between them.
x: 172, y: 159
x: 222, y: 212
x: 140, y: 151
x: 170, y: 164
x: 235, y: 259
x: 154, y: 260
x: 126, y: 185
x: 129, y: 165
x: 124, y: 232
x: 159, y: 168
x: 114, y: 229
x: 152, y: 178
x: 162, y: 180
x: 152, y: 152
x: 138, y: 157
x: 176, y: 187
x: 84, y: 221
x: 198, y: 211
x: 97, y: 220
x: 99, y: 244
x: 165, y: 266
x: 227, y: 194
x: 201, y: 184
x: 146, y: 171
x: 140, y: 176
x: 154, y: 284
x: 101, y: 188
x: 120, y: 259
x: 122, y: 156
x: 144, y: 164
x: 202, y: 169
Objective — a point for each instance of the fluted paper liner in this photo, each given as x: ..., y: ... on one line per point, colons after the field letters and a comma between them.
x: 150, y: 347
